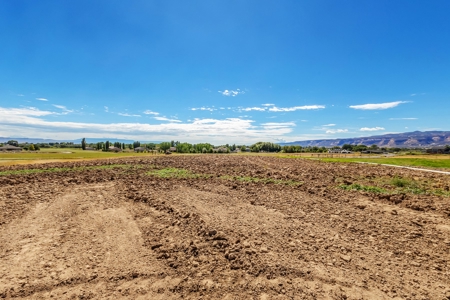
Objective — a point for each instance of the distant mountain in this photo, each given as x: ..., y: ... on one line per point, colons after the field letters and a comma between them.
x: 77, y: 141
x: 401, y: 140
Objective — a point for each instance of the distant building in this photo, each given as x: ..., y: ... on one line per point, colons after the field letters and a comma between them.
x: 173, y: 149
x: 8, y: 147
x: 114, y: 149
x: 438, y: 150
x: 90, y: 148
x: 140, y: 149
x: 339, y: 151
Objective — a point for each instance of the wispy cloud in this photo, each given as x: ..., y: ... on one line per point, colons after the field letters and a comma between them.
x: 232, y: 93
x: 294, y: 108
x: 41, y: 99
x: 30, y: 122
x: 268, y: 104
x: 20, y: 95
x: 253, y: 108
x: 403, y: 119
x: 329, y: 125
x: 106, y: 108
x: 378, y: 106
x: 166, y: 119
x: 204, y: 108
x: 127, y: 115
x: 333, y: 131
x: 149, y: 112
x: 372, y: 129
x: 25, y: 111
x: 63, y: 108
x: 274, y: 125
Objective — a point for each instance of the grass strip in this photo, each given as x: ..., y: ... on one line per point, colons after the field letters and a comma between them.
x: 182, y: 173
x: 406, y: 162
x: 176, y: 173
x: 51, y: 170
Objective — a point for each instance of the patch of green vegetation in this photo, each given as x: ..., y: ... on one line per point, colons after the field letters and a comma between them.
x: 66, y: 154
x: 51, y: 170
x: 176, y: 173
x: 403, y: 182
x: 441, y: 163
x: 366, y: 188
x: 182, y: 173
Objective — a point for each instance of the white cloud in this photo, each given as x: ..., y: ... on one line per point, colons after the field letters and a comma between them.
x: 149, y: 112
x: 372, y: 129
x: 23, y: 122
x: 333, y: 131
x: 274, y: 125
x: 378, y: 105
x: 232, y: 93
x: 127, y: 115
x: 304, y: 107
x: 329, y: 125
x: 403, y: 119
x: 106, y: 108
x: 166, y: 119
x: 253, y: 108
x: 268, y: 104
x: 26, y: 111
x: 63, y: 108
x: 204, y: 108
x: 41, y: 99
x: 20, y: 95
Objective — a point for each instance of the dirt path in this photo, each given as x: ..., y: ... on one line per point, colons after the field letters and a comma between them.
x: 123, y: 234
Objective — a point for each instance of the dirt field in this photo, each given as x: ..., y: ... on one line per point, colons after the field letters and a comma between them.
x: 222, y: 227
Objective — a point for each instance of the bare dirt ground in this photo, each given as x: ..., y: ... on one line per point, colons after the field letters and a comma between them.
x: 87, y: 232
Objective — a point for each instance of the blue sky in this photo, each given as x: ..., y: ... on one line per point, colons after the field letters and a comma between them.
x: 223, y: 71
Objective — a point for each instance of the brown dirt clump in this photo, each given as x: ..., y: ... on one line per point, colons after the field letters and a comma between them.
x: 221, y: 227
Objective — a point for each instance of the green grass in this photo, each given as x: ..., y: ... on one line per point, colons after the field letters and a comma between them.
x: 58, y: 153
x: 443, y: 163
x: 51, y: 170
x: 397, y: 186
x: 181, y: 173
x: 176, y: 173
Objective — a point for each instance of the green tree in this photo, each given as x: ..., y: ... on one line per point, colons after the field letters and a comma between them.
x: 13, y: 143
x: 164, y: 146
x: 31, y: 147
x: 107, y: 146
x: 347, y: 147
x: 83, y: 144
x: 136, y: 144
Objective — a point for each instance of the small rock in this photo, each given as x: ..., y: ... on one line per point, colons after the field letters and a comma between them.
x: 156, y: 246
x: 415, y: 264
x: 264, y: 250
x: 346, y: 258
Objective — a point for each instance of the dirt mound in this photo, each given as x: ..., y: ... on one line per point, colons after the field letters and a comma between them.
x: 222, y: 227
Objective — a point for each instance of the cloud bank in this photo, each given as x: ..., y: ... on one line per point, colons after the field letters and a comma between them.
x: 378, y: 106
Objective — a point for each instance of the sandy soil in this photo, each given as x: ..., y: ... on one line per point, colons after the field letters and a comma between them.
x: 120, y: 233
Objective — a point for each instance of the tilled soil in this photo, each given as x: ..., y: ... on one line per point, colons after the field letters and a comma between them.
x: 89, y: 232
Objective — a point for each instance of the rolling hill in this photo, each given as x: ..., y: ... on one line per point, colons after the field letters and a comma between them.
x: 403, y: 140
